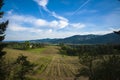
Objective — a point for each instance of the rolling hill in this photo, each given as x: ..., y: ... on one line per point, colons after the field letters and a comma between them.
x: 110, y: 38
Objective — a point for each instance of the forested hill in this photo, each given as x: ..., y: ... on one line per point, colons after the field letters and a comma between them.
x: 110, y: 38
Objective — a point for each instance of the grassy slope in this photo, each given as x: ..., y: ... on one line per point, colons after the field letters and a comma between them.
x: 51, y: 65
x: 36, y: 50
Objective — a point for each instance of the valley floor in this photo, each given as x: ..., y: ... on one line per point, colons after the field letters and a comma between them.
x: 50, y: 64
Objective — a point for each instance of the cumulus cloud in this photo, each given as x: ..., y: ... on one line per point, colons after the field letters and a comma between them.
x: 15, y: 27
x: 42, y: 3
x: 53, y: 23
x: 63, y: 22
x: 19, y: 28
x: 21, y: 18
x: 49, y: 31
x: 40, y: 22
x: 28, y: 25
x: 78, y: 25
x: 37, y: 22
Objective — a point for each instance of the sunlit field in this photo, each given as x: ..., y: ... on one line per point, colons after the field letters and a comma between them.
x: 50, y: 64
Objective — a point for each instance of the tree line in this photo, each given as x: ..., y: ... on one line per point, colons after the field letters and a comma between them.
x: 24, y: 45
x: 77, y: 50
x: 99, y: 62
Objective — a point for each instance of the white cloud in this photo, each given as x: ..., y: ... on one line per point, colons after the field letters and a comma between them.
x: 37, y: 22
x: 78, y: 25
x: 53, y: 23
x: 40, y: 22
x: 49, y: 34
x: 50, y: 31
x: 21, y: 18
x: 24, y: 27
x: 10, y: 12
x: 20, y: 28
x: 35, y: 30
x: 15, y: 27
x: 42, y: 3
x: 114, y: 29
x: 97, y: 32
x: 59, y: 17
x: 63, y: 24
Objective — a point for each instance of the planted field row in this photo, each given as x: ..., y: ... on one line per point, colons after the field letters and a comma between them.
x: 49, y: 64
x: 60, y: 68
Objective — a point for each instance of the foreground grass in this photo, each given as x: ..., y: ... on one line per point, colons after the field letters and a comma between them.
x: 50, y: 64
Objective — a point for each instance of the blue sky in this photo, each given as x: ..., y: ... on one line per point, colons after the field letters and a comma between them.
x: 37, y: 19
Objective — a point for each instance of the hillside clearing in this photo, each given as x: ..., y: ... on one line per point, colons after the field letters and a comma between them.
x: 50, y: 64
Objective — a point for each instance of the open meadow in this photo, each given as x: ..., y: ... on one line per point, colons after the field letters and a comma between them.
x: 50, y: 65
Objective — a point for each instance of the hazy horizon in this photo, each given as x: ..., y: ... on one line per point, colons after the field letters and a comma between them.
x: 61, y: 37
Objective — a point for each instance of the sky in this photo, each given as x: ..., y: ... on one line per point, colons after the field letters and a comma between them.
x: 38, y: 19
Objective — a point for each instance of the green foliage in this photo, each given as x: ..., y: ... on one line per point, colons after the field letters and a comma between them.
x: 22, y: 68
x: 84, y: 71
x: 101, y: 62
x: 1, y: 3
x: 5, y: 69
x: 74, y: 50
x: 109, y: 69
x: 24, y: 45
x: 87, y: 60
x: 3, y: 65
x: 67, y: 50
x: 36, y: 50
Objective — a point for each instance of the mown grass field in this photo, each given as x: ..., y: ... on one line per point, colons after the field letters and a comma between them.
x: 50, y: 64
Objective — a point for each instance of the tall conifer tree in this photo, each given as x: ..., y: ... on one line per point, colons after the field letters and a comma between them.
x: 3, y: 26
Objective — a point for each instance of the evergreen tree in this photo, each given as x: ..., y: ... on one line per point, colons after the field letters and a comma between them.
x: 117, y: 32
x: 22, y: 64
x: 23, y: 68
x: 3, y: 26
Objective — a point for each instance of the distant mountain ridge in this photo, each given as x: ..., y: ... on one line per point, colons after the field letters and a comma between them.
x: 110, y: 38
